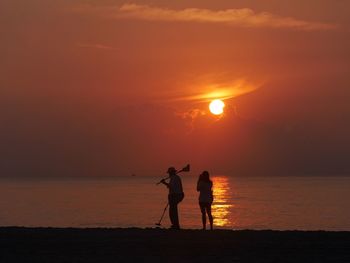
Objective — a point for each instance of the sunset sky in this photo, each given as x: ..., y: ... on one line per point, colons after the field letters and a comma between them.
x: 107, y: 87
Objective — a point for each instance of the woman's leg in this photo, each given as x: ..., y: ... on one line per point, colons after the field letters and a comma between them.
x: 204, y: 219
x: 208, y: 208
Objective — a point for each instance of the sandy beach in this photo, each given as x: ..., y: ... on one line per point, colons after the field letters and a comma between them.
x: 158, y: 245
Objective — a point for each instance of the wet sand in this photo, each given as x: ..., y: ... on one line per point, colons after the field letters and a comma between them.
x: 156, y: 245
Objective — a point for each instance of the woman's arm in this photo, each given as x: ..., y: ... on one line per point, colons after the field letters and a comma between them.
x: 198, y: 186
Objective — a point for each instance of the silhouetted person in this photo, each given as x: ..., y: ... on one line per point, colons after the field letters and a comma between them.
x: 176, y: 195
x: 204, y: 187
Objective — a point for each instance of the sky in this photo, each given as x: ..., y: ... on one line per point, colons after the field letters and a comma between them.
x: 109, y: 88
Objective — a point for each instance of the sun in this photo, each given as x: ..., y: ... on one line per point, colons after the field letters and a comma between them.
x: 217, y: 107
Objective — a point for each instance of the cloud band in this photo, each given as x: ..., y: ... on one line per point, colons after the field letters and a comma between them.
x: 243, y: 17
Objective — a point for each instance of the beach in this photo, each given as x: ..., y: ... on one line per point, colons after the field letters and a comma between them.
x: 19, y: 244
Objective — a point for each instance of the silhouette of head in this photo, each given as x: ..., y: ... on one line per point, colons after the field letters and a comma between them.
x: 205, y: 176
x: 171, y: 171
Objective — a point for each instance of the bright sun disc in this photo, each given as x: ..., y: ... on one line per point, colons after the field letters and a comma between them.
x: 217, y: 107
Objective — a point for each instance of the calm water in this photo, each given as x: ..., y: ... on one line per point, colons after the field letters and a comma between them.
x: 255, y: 203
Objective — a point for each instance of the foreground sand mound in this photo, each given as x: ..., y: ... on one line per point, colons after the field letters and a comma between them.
x: 156, y: 245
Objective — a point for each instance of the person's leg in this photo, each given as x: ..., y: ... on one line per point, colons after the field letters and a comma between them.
x: 176, y: 217
x: 173, y: 212
x: 179, y: 198
x: 208, y: 208
x: 204, y: 219
x: 171, y: 209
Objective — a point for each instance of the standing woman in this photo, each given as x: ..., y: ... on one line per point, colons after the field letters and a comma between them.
x: 204, y: 187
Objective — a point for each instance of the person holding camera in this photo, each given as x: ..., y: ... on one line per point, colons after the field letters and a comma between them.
x: 175, y: 196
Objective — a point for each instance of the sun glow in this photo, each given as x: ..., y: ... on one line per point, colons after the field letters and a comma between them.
x: 217, y: 107
x: 203, y: 92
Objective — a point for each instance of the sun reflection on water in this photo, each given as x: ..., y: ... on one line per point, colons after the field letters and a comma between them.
x: 221, y: 205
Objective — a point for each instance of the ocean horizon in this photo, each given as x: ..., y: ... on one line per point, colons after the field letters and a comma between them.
x: 276, y: 202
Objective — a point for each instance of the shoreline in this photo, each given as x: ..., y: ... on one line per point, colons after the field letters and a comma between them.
x: 136, y: 228
x: 42, y: 244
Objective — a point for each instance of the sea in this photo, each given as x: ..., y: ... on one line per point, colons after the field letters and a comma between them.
x: 278, y: 203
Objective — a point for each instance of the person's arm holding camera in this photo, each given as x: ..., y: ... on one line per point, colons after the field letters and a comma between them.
x: 165, y: 183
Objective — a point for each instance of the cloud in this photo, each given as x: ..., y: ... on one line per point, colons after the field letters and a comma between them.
x: 243, y: 17
x: 222, y: 90
x: 189, y: 117
x: 97, y: 46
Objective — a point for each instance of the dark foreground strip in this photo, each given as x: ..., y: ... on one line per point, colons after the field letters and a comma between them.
x: 155, y: 245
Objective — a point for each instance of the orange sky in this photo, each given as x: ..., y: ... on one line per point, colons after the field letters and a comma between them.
x: 116, y: 87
